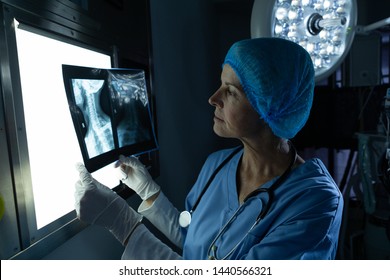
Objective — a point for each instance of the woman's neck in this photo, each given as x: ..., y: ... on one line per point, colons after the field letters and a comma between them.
x: 259, y: 164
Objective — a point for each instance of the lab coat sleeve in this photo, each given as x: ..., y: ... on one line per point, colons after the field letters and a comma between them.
x: 143, y: 245
x: 165, y: 217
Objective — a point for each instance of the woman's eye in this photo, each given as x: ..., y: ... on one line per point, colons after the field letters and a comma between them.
x: 230, y: 92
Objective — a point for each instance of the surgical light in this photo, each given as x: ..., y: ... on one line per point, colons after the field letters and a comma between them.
x: 325, y: 28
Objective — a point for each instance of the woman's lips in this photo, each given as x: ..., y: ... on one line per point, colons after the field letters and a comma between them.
x: 217, y: 119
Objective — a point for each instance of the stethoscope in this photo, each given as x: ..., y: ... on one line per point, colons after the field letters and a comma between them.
x: 185, y: 216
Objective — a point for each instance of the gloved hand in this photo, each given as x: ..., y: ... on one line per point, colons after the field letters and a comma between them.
x: 99, y: 205
x: 134, y: 174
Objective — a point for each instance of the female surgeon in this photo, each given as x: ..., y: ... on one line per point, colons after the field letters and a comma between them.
x: 257, y: 201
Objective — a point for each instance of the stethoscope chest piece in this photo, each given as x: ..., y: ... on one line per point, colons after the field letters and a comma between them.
x: 184, y: 219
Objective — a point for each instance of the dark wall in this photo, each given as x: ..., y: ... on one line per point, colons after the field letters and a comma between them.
x: 370, y: 11
x: 190, y: 39
x: 127, y: 24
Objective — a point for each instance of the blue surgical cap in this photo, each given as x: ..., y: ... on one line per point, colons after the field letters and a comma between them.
x: 277, y: 77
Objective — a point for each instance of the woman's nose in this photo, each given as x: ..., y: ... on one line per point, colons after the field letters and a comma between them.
x: 215, y: 99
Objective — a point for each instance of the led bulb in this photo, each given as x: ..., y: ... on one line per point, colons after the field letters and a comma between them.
x: 281, y: 13
x: 318, y: 62
x: 330, y: 49
x: 327, y: 4
x: 336, y: 39
x: 278, y: 29
x: 318, y: 6
x: 323, y: 34
x: 294, y: 3
x: 310, y: 47
x: 292, y: 15
x: 340, y: 10
x: 323, y: 52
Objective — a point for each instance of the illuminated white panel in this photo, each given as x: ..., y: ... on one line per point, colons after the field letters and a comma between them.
x: 52, y: 143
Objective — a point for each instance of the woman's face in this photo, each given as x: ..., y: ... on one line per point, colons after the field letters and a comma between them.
x: 234, y: 116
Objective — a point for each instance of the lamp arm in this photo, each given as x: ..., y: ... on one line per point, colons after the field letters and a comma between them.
x: 372, y: 26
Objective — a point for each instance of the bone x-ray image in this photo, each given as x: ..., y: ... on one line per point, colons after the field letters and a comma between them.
x: 96, y: 124
x: 110, y: 112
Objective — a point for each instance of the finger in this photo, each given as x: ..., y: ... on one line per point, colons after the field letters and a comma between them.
x: 122, y: 173
x: 84, y: 175
x: 130, y: 161
x: 79, y: 186
x: 79, y: 190
x: 80, y: 167
x: 118, y: 162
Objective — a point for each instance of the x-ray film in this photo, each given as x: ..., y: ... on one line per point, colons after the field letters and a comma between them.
x: 110, y: 112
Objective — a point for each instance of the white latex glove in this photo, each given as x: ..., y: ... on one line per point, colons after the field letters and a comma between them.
x: 99, y: 205
x: 134, y: 174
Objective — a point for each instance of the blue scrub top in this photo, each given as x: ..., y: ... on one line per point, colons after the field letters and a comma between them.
x: 303, y: 221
